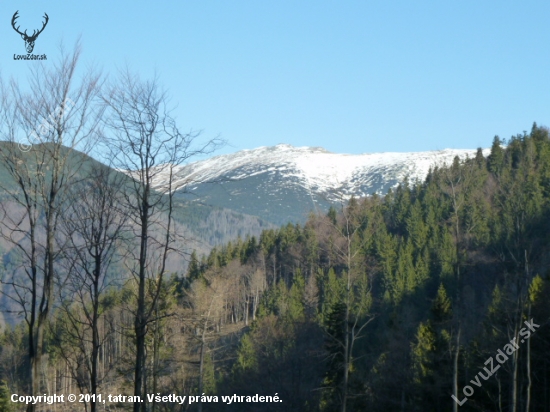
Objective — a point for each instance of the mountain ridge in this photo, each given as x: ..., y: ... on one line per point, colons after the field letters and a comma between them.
x: 298, y: 180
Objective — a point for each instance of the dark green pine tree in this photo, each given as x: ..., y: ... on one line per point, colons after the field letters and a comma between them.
x: 332, y: 214
x: 431, y: 357
x: 480, y: 159
x: 5, y: 402
x: 496, y: 158
x: 334, y: 375
x: 194, y: 270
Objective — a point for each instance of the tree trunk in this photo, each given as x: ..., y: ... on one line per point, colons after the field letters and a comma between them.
x: 140, y: 321
x: 515, y: 377
x: 32, y: 347
x: 455, y: 369
x: 201, y: 368
x: 528, y: 360
x: 347, y: 354
x: 246, y: 306
x: 95, y: 355
x: 156, y: 344
x: 36, y: 357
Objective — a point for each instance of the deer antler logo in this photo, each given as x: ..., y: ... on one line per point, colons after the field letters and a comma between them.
x: 29, y: 40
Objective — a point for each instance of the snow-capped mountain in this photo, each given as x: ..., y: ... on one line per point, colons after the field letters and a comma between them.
x: 285, y: 183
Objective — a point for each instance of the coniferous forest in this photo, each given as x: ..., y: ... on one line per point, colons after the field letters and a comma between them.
x: 438, y: 289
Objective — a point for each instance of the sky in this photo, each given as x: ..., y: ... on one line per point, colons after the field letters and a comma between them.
x: 349, y: 76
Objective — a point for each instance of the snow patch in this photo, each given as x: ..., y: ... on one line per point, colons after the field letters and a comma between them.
x: 313, y: 167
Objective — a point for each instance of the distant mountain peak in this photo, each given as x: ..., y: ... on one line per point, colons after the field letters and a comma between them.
x: 258, y: 181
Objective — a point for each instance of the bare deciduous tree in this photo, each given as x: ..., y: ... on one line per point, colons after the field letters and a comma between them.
x: 145, y: 141
x: 42, y: 128
x: 93, y: 224
x: 345, y: 242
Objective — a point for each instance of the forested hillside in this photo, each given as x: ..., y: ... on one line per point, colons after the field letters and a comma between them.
x: 391, y: 303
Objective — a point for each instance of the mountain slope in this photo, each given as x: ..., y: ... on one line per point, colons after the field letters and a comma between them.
x: 285, y: 183
x: 199, y: 227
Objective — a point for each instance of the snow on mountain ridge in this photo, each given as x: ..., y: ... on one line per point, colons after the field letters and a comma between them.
x: 316, y: 168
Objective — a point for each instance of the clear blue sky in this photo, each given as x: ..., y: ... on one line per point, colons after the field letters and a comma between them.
x: 351, y: 76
